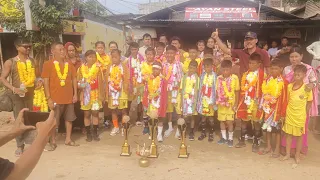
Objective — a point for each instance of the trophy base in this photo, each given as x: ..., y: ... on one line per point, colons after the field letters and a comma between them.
x: 184, y: 155
x: 125, y: 151
x: 153, y: 156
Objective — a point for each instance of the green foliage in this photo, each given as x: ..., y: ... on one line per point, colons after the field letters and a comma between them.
x: 94, y: 7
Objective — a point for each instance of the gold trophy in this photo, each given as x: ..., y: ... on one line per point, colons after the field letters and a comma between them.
x: 183, y: 151
x: 125, y: 150
x: 152, y: 124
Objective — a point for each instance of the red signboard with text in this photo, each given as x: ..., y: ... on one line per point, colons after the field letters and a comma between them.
x: 220, y: 14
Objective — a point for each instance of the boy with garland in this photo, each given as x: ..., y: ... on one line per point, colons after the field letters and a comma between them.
x: 227, y: 99
x: 172, y: 70
x: 189, y: 92
x: 135, y: 61
x: 117, y: 78
x: 192, y: 55
x: 90, y: 82
x: 206, y: 99
x: 155, y: 96
x: 146, y: 69
x: 160, y: 48
x: 250, y: 97
x: 273, y: 105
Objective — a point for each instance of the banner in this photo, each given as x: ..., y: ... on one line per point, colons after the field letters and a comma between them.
x: 220, y: 14
x: 74, y: 27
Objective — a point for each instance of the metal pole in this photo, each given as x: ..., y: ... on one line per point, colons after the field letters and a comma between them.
x: 1, y: 57
x: 259, y: 11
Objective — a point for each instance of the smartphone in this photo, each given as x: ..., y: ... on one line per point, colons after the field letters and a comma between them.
x: 31, y: 118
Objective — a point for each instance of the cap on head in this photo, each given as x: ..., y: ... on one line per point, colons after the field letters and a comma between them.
x: 251, y: 35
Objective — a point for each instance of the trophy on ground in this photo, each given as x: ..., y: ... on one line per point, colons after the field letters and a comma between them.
x: 153, y: 125
x: 125, y: 150
x: 183, y: 151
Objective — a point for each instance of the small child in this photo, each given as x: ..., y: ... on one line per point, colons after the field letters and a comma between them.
x: 273, y: 105
x: 146, y: 69
x: 155, y: 96
x: 250, y: 97
x: 206, y: 99
x: 90, y: 83
x: 299, y: 104
x: 172, y: 70
x: 160, y: 47
x: 227, y: 88
x: 117, y: 78
x: 201, y: 46
x: 189, y: 92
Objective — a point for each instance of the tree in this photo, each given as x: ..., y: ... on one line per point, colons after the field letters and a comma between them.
x: 48, y: 18
x: 94, y: 7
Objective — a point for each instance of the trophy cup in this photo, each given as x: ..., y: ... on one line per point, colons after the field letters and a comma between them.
x: 183, y: 151
x: 153, y: 147
x: 144, y: 153
x: 125, y: 150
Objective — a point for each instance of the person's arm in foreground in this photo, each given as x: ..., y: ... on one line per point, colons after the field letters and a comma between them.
x: 29, y: 159
x: 310, y: 49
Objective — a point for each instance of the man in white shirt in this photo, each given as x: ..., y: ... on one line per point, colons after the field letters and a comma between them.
x: 146, y: 43
x: 273, y: 50
x: 314, y: 50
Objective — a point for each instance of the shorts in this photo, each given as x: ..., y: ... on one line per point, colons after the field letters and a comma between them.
x: 174, y: 106
x: 225, y: 117
x: 253, y: 115
x: 65, y: 110
x: 89, y: 106
x: 123, y: 104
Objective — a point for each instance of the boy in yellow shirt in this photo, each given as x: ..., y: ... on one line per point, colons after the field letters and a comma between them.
x: 227, y: 88
x: 192, y: 55
x: 299, y: 104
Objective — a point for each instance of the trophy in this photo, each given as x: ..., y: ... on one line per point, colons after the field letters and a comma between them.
x: 183, y: 151
x: 125, y: 151
x: 144, y: 153
x: 152, y: 124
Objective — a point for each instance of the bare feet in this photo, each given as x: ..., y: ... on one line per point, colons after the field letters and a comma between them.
x: 284, y: 158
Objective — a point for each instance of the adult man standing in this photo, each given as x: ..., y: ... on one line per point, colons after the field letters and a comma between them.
x: 314, y: 50
x: 284, y: 51
x: 129, y: 40
x: 60, y: 84
x: 250, y: 47
x: 176, y: 42
x: 23, y: 72
x: 146, y: 43
x: 163, y: 39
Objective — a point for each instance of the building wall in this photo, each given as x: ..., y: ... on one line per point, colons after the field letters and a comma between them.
x: 100, y: 32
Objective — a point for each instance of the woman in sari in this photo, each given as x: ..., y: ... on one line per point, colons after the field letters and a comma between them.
x: 311, y: 82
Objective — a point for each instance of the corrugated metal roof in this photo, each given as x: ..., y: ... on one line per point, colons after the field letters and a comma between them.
x: 164, y: 13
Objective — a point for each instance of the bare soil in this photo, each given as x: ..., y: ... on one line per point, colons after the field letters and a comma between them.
x: 101, y: 160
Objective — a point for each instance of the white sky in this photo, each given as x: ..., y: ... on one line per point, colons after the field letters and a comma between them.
x: 123, y: 6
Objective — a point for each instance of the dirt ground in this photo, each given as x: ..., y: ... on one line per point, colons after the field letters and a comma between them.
x: 101, y: 160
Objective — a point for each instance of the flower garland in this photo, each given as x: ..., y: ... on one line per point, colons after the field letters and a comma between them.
x: 104, y: 60
x: 189, y: 93
x: 136, y: 65
x: 154, y: 90
x: 90, y: 76
x: 173, y: 78
x: 62, y: 77
x: 225, y: 91
x: 271, y: 89
x: 206, y: 91
x: 40, y: 101
x: 115, y: 83
x: 185, y: 66
x: 248, y: 84
x: 26, y: 72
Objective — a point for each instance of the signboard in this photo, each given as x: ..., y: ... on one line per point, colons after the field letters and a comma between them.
x: 74, y: 27
x: 220, y: 14
x: 292, y: 33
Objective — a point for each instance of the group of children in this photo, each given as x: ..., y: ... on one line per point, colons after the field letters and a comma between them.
x: 162, y: 82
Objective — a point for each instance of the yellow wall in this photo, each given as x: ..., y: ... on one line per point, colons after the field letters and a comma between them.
x: 99, y: 32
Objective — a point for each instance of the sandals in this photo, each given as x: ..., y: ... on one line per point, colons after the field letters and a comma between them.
x: 264, y: 151
x: 72, y: 143
x: 50, y: 147
x: 274, y: 155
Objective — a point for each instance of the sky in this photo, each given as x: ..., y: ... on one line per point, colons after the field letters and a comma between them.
x: 123, y: 6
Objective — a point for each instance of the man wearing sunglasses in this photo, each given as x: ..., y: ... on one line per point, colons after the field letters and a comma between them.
x: 22, y: 89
